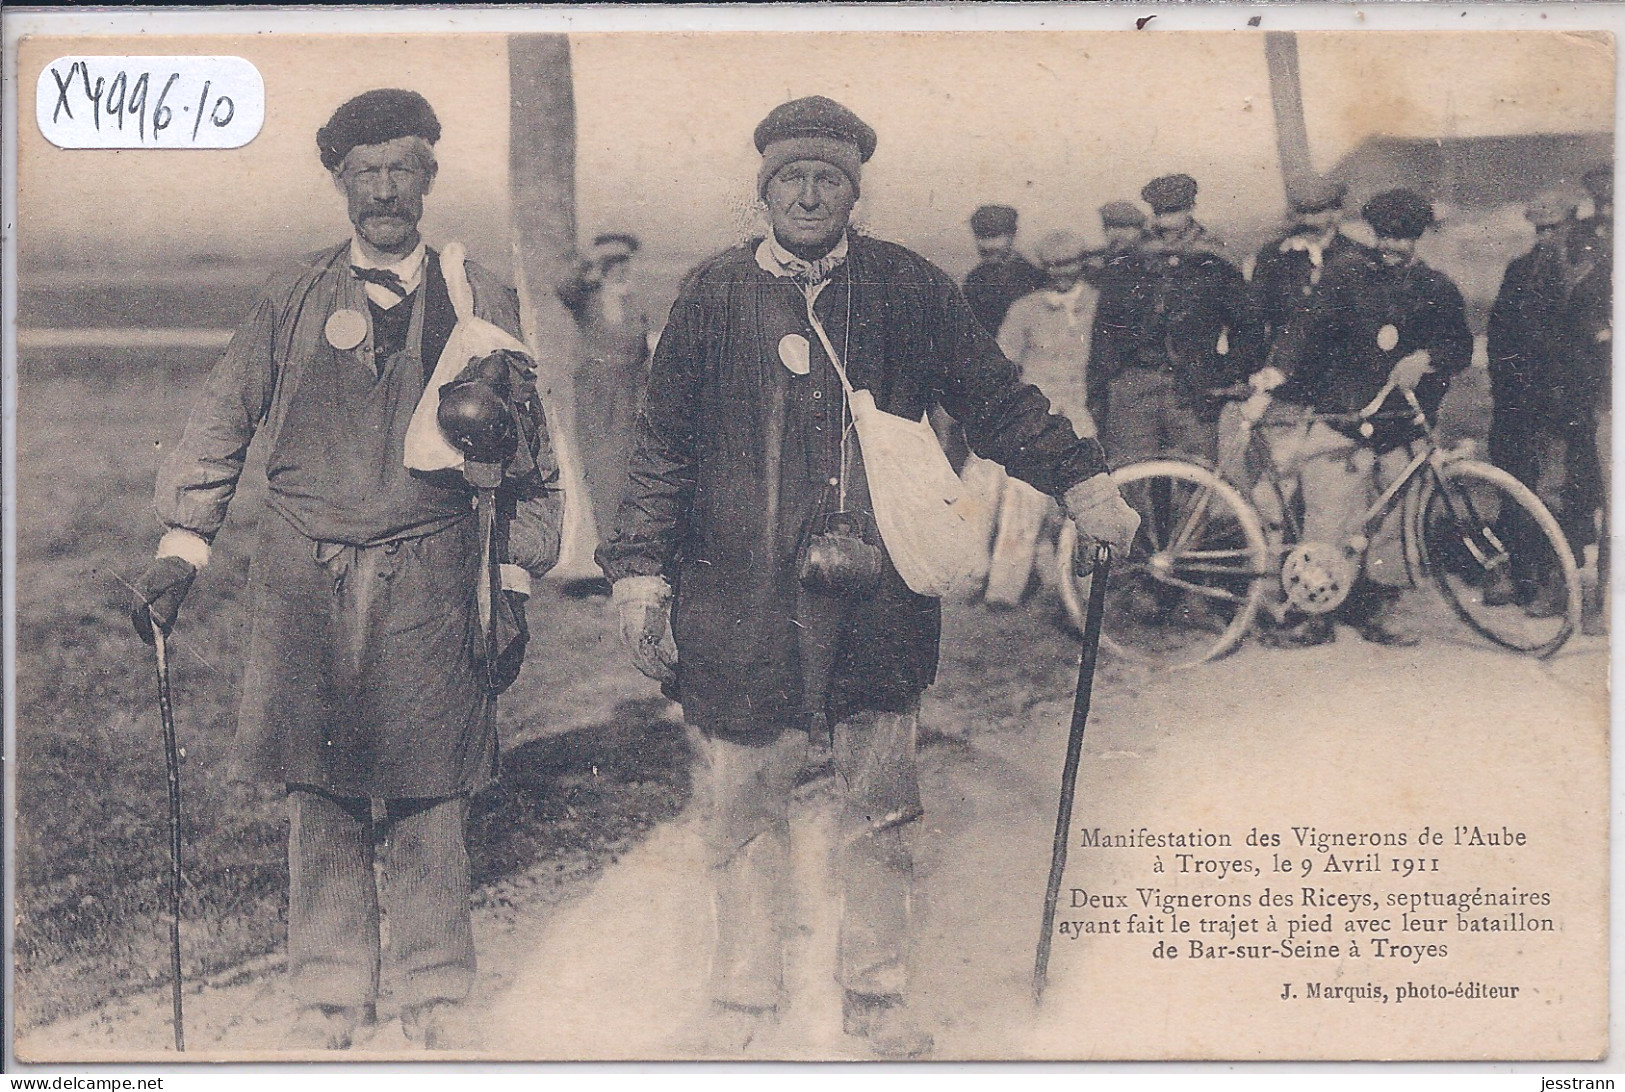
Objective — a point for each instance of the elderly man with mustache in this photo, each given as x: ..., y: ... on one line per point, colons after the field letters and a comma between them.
x: 366, y: 691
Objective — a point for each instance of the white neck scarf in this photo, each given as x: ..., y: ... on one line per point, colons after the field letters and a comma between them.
x: 773, y: 258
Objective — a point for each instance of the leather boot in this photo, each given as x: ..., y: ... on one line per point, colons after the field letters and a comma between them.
x: 1500, y: 590
x: 325, y: 1027
x: 1371, y: 609
x: 723, y: 1031
x: 434, y: 1025
x: 1550, y: 599
x: 1308, y: 632
x: 883, y: 1020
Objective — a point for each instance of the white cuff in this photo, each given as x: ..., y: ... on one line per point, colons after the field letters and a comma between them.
x: 184, y: 544
x: 516, y: 579
x: 651, y: 590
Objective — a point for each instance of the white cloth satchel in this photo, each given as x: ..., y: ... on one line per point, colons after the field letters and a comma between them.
x: 928, y: 520
x: 472, y: 338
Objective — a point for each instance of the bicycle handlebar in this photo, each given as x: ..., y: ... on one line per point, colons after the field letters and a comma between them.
x: 1364, y: 416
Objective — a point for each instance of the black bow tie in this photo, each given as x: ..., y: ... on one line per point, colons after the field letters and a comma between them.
x: 383, y: 278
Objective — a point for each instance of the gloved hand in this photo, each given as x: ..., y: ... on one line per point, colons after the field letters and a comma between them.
x: 1411, y: 368
x: 644, y: 603
x: 160, y: 591
x: 1266, y: 378
x: 1101, y: 513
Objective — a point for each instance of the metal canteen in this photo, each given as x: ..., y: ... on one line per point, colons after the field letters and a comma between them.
x: 475, y: 414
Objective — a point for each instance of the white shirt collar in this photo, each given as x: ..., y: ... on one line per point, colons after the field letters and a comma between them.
x: 773, y: 258
x: 409, y: 269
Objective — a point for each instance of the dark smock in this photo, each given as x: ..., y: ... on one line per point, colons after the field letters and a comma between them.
x: 706, y: 509
x: 362, y: 677
x: 993, y: 286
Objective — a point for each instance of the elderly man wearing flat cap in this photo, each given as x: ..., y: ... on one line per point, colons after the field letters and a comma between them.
x: 368, y: 689
x: 1286, y: 278
x: 748, y: 530
x: 1185, y: 335
x: 1379, y: 316
x: 1537, y: 431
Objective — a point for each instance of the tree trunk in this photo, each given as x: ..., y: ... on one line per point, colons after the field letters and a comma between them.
x: 1286, y: 96
x: 541, y: 173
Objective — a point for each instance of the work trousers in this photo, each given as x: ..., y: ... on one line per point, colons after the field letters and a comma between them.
x: 1559, y: 462
x: 744, y: 784
x: 1147, y: 418
x: 1340, y: 478
x: 334, y: 899
x: 1022, y: 510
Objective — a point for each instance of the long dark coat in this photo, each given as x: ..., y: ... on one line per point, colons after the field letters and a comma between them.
x: 701, y: 496
x: 363, y: 677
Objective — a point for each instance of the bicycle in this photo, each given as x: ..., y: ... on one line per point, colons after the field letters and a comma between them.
x: 1197, y: 575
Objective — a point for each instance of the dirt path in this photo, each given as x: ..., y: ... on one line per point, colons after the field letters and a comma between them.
x: 1344, y: 736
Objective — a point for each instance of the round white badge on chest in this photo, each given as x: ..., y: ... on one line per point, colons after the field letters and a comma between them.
x: 1388, y: 337
x: 346, y: 329
x: 795, y: 353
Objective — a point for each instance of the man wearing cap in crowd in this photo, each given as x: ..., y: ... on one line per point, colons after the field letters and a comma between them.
x: 1536, y: 398
x: 1002, y: 276
x: 365, y: 692
x: 1113, y: 271
x: 1288, y: 269
x: 614, y: 370
x: 1378, y: 317
x: 1046, y: 335
x: 742, y: 462
x: 1185, y: 335
x: 1286, y: 278
x: 1589, y: 321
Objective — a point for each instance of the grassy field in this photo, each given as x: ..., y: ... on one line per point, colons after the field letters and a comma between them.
x: 585, y: 769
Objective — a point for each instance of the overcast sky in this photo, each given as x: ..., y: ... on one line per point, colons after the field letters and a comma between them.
x: 1055, y: 124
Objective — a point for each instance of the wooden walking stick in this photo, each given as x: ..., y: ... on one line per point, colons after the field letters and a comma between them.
x: 1074, y: 752
x: 172, y: 759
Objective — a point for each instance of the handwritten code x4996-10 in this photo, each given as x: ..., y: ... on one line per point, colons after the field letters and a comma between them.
x: 150, y: 102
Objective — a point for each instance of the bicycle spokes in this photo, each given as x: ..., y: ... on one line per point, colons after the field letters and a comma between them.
x: 1498, y: 557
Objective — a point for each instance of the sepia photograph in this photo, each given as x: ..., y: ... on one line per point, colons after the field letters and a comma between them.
x: 540, y: 540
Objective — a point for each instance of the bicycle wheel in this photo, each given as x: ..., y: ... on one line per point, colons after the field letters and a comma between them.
x: 1191, y: 585
x: 1465, y: 511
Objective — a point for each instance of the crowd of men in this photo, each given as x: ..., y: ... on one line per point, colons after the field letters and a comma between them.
x: 1143, y: 341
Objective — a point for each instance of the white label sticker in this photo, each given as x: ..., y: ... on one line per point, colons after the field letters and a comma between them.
x: 150, y: 102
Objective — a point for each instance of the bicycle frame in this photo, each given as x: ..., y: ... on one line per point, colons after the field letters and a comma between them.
x: 1252, y: 445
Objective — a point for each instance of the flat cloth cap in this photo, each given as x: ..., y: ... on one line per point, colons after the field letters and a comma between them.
x: 375, y: 117
x: 814, y: 127
x: 1398, y: 214
x: 1313, y: 193
x: 1170, y: 193
x: 992, y: 221
x: 1121, y: 214
x: 1060, y: 248
x: 1551, y: 207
